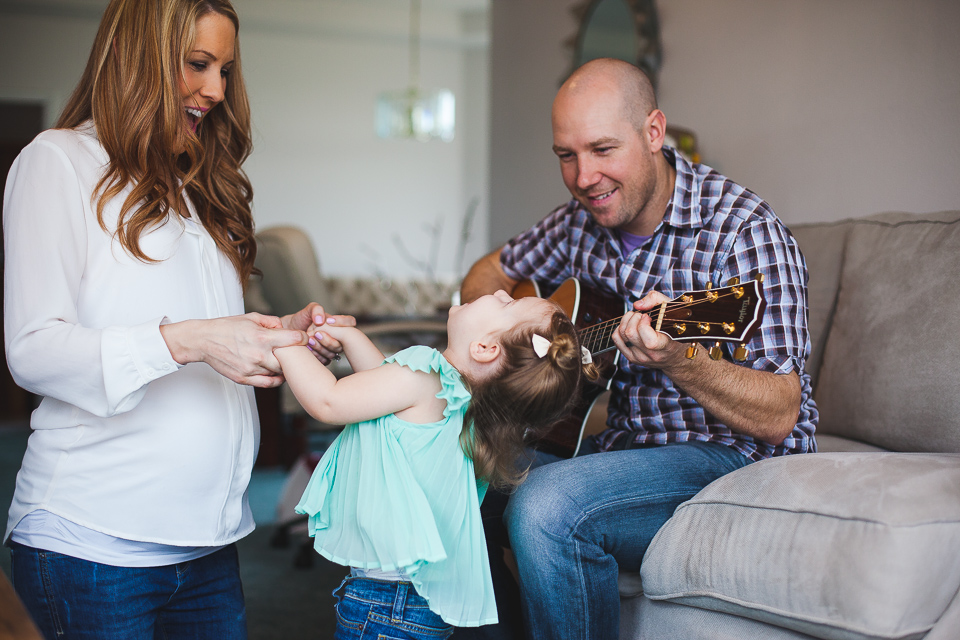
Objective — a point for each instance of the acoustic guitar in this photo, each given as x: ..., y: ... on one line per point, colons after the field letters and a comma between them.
x: 728, y: 314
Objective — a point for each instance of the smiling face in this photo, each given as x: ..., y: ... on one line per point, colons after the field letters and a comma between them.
x: 607, y: 164
x: 206, y: 67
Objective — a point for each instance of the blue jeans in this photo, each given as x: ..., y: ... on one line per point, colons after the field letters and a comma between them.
x: 385, y: 610
x: 70, y: 598
x: 574, y: 523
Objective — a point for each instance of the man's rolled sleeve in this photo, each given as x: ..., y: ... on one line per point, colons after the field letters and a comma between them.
x: 782, y: 342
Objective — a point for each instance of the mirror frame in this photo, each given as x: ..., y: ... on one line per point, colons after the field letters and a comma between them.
x: 647, y: 27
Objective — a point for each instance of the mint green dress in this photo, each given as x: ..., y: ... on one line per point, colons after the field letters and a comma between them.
x: 398, y: 496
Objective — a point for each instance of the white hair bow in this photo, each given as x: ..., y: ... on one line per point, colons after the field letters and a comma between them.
x: 541, y: 345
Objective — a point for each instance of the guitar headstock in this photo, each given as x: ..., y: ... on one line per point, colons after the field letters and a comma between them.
x: 727, y: 314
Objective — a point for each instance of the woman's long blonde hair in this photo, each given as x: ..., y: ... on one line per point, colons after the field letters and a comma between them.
x: 130, y: 90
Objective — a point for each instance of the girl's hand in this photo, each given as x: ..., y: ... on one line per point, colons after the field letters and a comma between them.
x: 360, y: 350
x: 325, y: 337
x: 308, y: 319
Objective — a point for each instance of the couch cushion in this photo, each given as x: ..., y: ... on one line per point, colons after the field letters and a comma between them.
x: 889, y: 375
x: 837, y: 545
x: 644, y: 619
x: 827, y: 443
x: 822, y: 247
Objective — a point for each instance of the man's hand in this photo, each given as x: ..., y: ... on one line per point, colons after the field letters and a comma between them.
x: 640, y: 343
x: 759, y: 404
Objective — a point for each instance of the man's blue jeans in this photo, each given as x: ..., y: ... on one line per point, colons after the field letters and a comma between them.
x: 73, y: 599
x: 574, y: 523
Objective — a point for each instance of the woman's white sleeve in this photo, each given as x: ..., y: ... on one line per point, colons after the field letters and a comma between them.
x: 103, y: 371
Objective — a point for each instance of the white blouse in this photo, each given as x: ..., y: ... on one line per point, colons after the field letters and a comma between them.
x: 126, y: 442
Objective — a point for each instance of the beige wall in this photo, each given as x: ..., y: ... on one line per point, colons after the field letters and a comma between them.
x: 313, y: 70
x: 826, y: 108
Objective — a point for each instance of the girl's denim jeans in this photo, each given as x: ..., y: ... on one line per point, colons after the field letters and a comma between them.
x: 374, y: 609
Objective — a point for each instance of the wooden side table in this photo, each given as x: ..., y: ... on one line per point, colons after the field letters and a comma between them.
x: 15, y: 622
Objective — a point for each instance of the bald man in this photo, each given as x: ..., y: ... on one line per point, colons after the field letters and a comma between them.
x: 646, y: 225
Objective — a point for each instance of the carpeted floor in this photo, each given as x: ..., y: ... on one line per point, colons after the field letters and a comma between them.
x: 283, y: 601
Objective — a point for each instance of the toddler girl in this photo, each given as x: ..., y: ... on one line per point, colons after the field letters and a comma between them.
x: 397, y: 496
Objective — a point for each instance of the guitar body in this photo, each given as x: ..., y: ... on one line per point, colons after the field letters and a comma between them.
x: 585, y: 308
x: 729, y: 314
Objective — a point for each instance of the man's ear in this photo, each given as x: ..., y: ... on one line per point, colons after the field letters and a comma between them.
x: 656, y: 130
x: 484, y: 351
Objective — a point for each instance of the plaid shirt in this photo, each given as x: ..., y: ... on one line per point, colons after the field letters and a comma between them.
x: 713, y: 230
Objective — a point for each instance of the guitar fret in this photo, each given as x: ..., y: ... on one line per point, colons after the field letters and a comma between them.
x: 599, y: 337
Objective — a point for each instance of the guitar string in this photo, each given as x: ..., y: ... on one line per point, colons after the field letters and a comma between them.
x: 597, y: 340
x: 589, y: 334
x: 603, y: 332
x: 654, y: 313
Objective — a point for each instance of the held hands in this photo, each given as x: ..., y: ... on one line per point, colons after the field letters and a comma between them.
x: 326, y: 335
x: 641, y: 343
x: 308, y: 320
x: 237, y: 347
x: 241, y: 347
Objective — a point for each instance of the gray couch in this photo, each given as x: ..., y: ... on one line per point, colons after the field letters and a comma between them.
x: 860, y: 540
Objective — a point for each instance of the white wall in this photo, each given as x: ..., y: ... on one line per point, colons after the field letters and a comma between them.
x: 826, y: 109
x: 313, y: 70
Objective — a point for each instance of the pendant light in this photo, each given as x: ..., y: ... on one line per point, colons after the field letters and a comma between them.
x: 414, y: 113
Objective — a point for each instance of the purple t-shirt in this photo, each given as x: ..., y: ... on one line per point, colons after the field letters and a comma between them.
x: 629, y: 242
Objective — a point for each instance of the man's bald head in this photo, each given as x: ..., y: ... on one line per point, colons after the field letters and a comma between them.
x: 637, y: 96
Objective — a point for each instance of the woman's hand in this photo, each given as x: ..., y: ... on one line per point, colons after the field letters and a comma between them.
x: 310, y: 319
x: 237, y: 347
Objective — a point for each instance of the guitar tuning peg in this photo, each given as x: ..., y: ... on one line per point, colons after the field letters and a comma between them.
x: 709, y: 284
x: 759, y: 277
x: 715, y: 351
x: 733, y: 281
x: 740, y: 353
x: 692, y: 351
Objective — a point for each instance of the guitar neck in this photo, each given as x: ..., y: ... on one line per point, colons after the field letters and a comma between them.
x: 729, y: 314
x: 599, y: 338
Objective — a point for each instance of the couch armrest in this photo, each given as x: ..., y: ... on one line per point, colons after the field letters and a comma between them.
x: 844, y: 545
